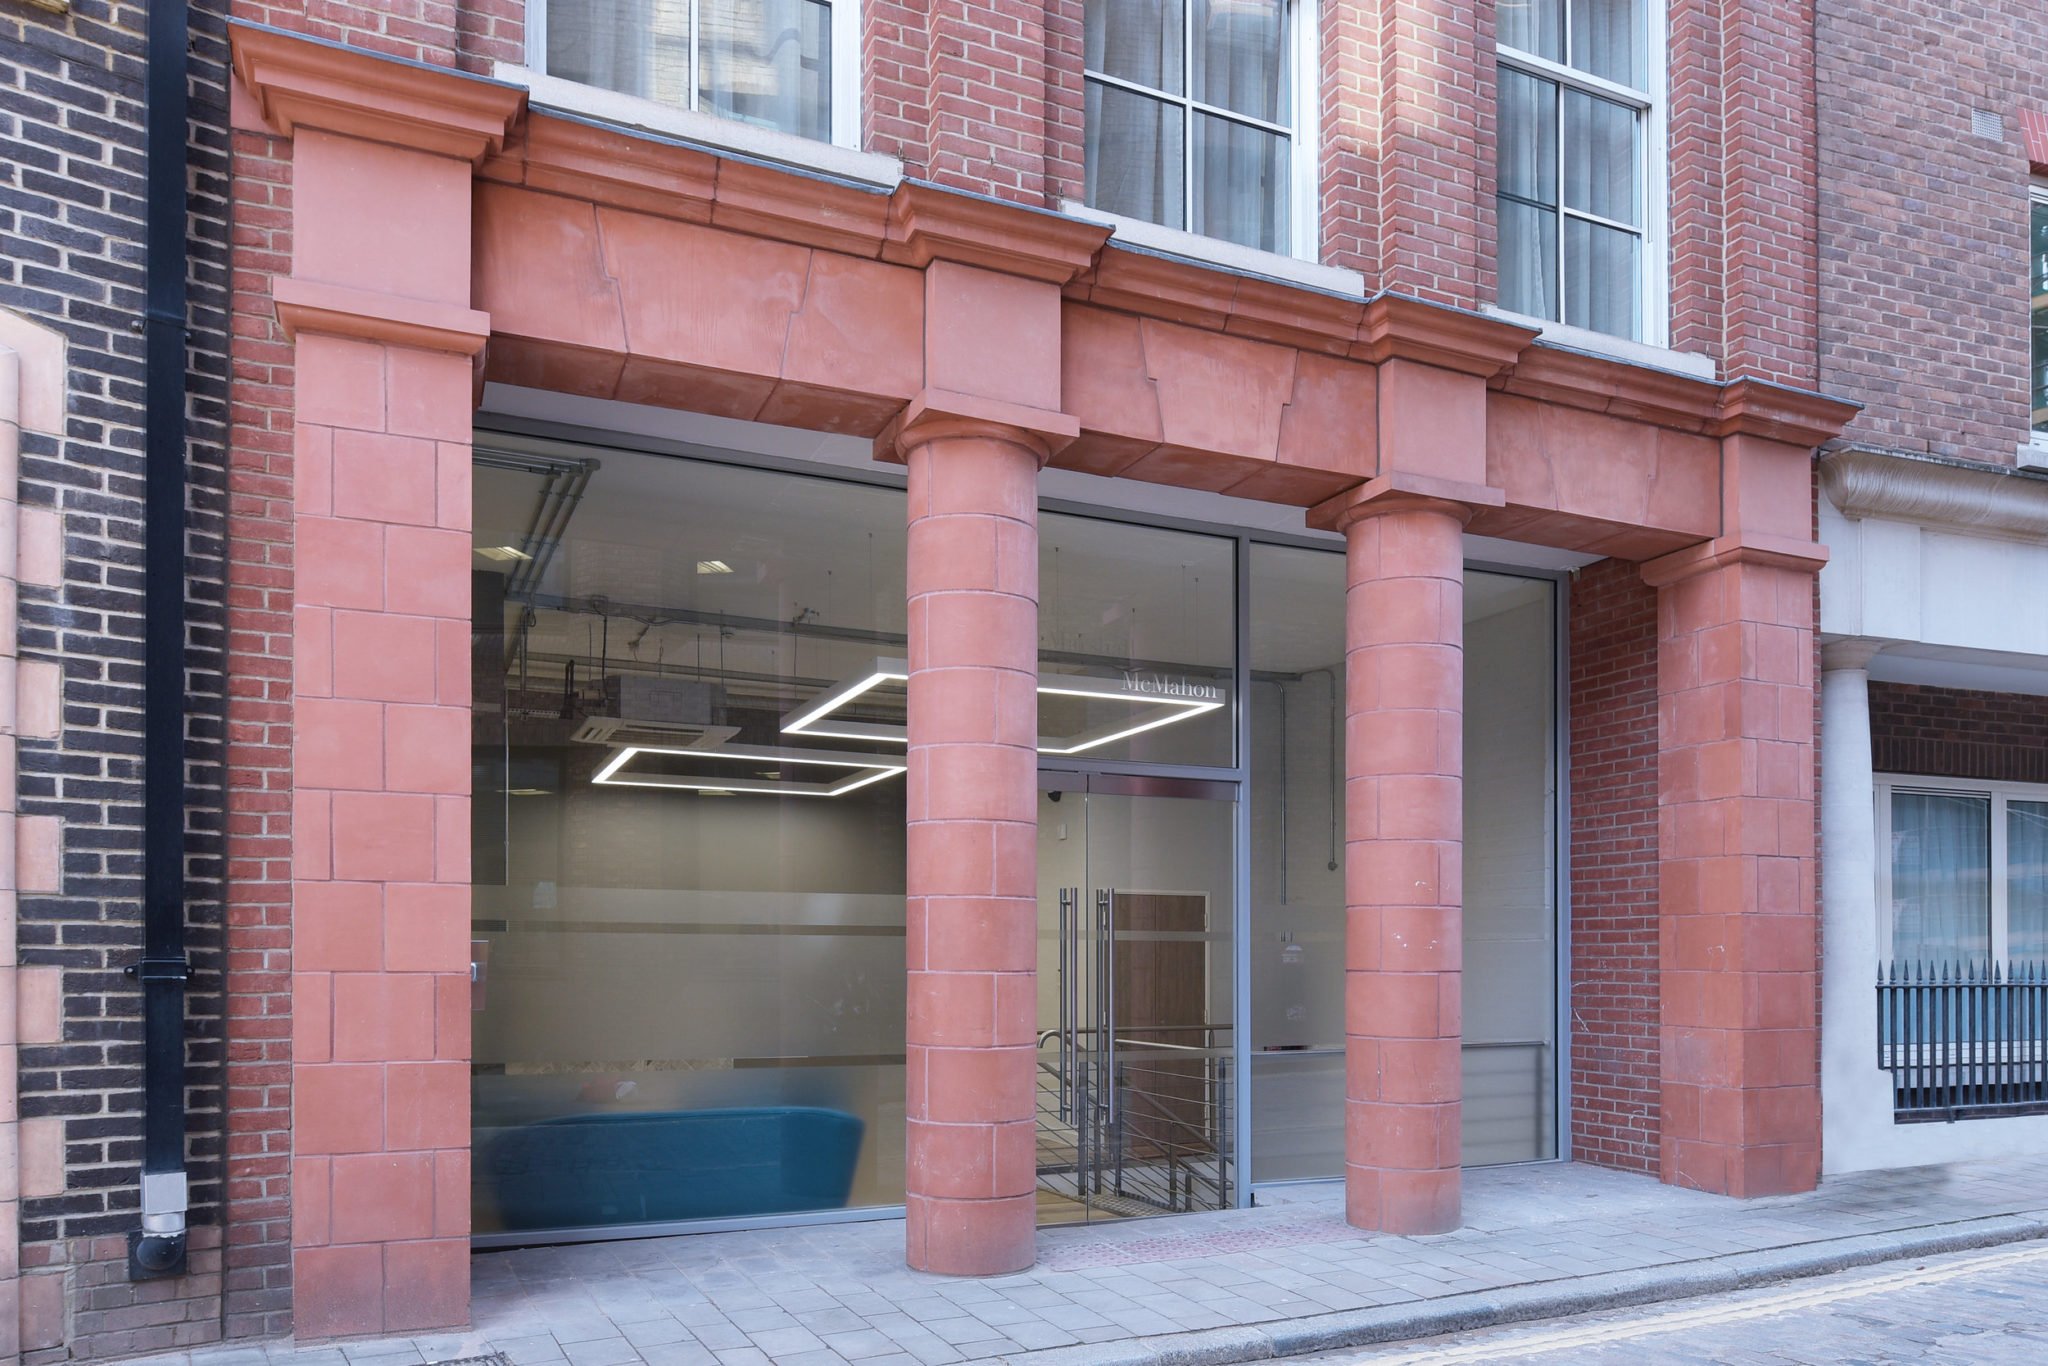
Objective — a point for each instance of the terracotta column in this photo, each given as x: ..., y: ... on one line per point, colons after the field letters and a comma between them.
x: 972, y: 872
x: 1404, y: 852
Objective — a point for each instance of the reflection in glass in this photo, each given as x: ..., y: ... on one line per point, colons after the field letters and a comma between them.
x: 2040, y: 314
x: 1136, y: 156
x: 2026, y: 894
x: 1535, y: 26
x: 1240, y: 183
x: 1600, y: 157
x: 1135, y: 40
x: 1135, y: 642
x: 1602, y: 277
x: 690, y: 922
x: 1240, y: 57
x: 767, y: 62
x: 1941, y: 877
x: 1295, y: 950
x: 636, y: 47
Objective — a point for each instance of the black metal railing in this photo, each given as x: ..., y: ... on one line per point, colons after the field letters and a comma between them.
x: 1964, y: 1040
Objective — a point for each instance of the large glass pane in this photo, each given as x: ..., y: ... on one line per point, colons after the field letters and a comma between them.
x: 1136, y: 155
x: 1941, y: 877
x: 767, y: 62
x: 1510, y: 880
x: 1607, y: 39
x: 689, y: 920
x: 2040, y: 304
x: 2026, y: 881
x: 1136, y: 646
x: 1602, y: 278
x: 1601, y: 159
x: 1528, y: 259
x: 1240, y: 57
x: 1527, y: 146
x: 1295, y: 950
x: 1135, y: 40
x: 1532, y: 26
x: 1136, y: 997
x: 636, y: 47
x: 1241, y: 183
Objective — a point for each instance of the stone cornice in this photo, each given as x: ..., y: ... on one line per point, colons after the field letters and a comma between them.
x: 337, y: 311
x: 1401, y: 491
x: 1775, y: 412
x: 1603, y: 384
x: 930, y: 223
x: 937, y: 414
x: 1772, y: 552
x: 303, y: 82
x: 1873, y: 483
x: 1396, y: 327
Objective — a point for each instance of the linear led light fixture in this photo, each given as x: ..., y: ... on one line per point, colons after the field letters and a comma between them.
x: 862, y: 769
x: 816, y: 718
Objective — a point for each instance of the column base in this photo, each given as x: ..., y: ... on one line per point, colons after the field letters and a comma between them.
x: 1409, y: 1203
x: 971, y: 1237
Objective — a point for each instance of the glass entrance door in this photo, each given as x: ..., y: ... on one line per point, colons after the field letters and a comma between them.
x: 1136, y: 1069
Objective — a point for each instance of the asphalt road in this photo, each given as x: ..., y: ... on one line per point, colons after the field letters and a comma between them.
x: 1969, y: 1307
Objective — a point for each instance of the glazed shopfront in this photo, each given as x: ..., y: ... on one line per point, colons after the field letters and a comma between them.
x: 1071, y: 772
x: 690, y: 835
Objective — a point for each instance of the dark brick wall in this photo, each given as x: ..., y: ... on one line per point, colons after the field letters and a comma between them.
x: 1953, y: 733
x: 1924, y: 290
x: 71, y: 257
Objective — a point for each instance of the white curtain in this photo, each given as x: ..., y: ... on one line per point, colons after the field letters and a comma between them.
x: 1241, y: 173
x: 2026, y: 885
x: 636, y: 47
x: 766, y: 61
x: 1941, y: 878
x: 1135, y: 145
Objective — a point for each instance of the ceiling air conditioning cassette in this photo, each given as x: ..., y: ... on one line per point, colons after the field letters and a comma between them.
x: 612, y: 730
x: 650, y: 709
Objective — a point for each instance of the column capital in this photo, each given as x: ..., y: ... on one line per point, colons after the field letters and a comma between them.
x: 305, y: 82
x: 939, y: 414
x: 1400, y: 491
x: 305, y: 306
x: 1754, y: 548
x: 1853, y: 653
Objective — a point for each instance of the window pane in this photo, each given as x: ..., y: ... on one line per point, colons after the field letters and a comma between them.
x: 1136, y: 656
x: 1135, y: 156
x: 1601, y: 277
x: 1135, y: 40
x: 1533, y: 26
x: 767, y: 62
x: 636, y: 47
x: 1240, y: 57
x: 1241, y: 183
x: 1605, y: 39
x: 1528, y: 137
x: 2026, y: 887
x: 1601, y: 162
x: 2040, y: 257
x: 1528, y: 259
x: 1941, y: 877
x: 692, y: 995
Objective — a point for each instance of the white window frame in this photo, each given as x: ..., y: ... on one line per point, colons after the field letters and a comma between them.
x: 1999, y: 794
x: 1653, y: 292
x: 1304, y: 203
x: 845, y: 66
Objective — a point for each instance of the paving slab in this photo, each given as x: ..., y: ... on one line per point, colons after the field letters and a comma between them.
x: 1285, y: 1278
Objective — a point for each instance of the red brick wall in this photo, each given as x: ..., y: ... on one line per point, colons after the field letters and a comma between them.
x: 258, y: 1270
x: 1613, y: 1011
x: 1694, y: 123
x: 1953, y: 733
x: 1924, y: 258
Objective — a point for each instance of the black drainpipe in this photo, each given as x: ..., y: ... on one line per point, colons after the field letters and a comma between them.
x: 158, y: 1247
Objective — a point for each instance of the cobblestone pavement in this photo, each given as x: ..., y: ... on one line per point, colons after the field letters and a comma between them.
x: 1972, y: 1307
x: 840, y: 1293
